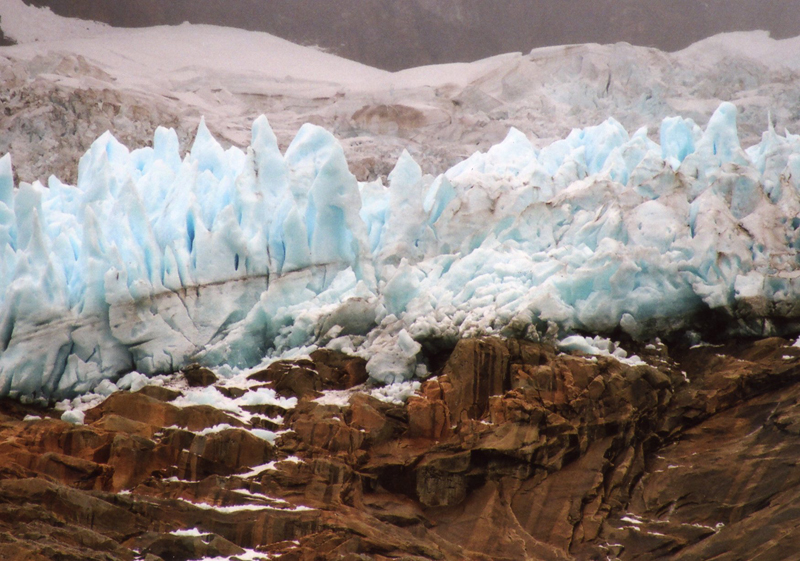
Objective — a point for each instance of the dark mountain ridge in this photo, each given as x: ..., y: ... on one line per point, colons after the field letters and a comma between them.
x: 394, y: 35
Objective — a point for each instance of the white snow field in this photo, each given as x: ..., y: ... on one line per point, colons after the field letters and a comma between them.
x: 154, y: 260
x: 224, y: 256
x: 131, y: 80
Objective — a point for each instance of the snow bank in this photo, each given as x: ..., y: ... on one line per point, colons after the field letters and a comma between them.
x: 225, y: 256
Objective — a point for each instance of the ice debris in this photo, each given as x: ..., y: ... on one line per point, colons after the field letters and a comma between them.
x: 226, y: 256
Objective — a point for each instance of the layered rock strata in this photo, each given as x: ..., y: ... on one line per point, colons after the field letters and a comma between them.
x: 513, y: 451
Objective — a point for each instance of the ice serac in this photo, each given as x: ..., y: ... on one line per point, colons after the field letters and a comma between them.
x: 227, y: 256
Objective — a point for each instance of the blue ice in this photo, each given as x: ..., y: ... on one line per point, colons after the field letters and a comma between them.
x: 224, y: 256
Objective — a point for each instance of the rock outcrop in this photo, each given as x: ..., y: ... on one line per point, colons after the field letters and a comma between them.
x: 5, y: 41
x: 48, y: 124
x: 512, y: 451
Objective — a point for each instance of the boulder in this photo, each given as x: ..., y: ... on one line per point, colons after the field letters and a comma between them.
x: 199, y: 377
x: 327, y: 370
x: 159, y: 392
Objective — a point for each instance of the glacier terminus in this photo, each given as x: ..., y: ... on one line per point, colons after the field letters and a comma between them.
x: 153, y: 261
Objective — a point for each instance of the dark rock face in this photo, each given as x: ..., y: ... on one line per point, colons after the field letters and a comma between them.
x: 513, y: 451
x: 184, y: 548
x: 394, y: 35
x: 199, y: 377
x: 4, y: 41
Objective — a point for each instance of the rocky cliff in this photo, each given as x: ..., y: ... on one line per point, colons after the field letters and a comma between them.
x: 394, y: 35
x: 513, y: 451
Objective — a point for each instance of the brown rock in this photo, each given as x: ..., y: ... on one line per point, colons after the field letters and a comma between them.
x: 223, y: 453
x: 231, y: 392
x: 276, y: 370
x: 395, y: 510
x: 294, y: 379
x: 324, y: 427
x: 516, y: 440
x: 378, y: 420
x: 338, y: 370
x: 38, y: 537
x: 477, y: 370
x: 485, y: 526
x: 144, y: 409
x: 327, y: 370
x: 428, y: 418
x: 81, y: 474
x: 184, y: 548
x: 160, y: 393
x: 116, y: 423
x: 72, y: 506
x: 51, y: 435
x: 442, y: 479
x: 199, y: 377
x: 132, y: 458
x: 565, y: 458
x: 270, y: 410
x: 549, y: 506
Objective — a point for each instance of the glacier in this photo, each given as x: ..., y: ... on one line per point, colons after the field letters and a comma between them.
x: 225, y: 257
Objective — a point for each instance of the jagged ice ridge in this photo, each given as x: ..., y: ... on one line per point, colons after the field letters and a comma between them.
x: 226, y: 256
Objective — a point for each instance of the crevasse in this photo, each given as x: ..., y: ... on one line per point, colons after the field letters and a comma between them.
x: 226, y: 256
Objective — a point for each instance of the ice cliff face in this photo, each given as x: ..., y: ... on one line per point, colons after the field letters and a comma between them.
x: 225, y: 256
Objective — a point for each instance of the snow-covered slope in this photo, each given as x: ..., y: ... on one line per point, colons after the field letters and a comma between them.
x: 64, y: 85
x: 224, y: 256
x: 395, y: 35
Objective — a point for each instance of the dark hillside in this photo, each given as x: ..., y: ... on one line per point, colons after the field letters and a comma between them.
x: 393, y: 35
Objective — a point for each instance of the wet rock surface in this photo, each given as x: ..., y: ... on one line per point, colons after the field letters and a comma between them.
x: 512, y: 451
